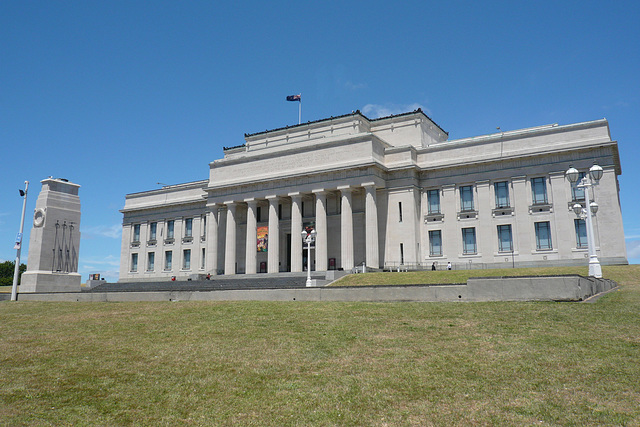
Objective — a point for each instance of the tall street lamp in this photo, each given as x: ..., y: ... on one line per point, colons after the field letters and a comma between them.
x: 308, y: 238
x: 18, y: 246
x: 590, y: 180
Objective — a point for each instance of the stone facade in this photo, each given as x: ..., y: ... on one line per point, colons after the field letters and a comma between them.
x: 54, y: 243
x: 386, y: 193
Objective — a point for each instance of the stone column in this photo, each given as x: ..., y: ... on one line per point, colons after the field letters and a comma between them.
x: 296, y: 229
x: 252, y: 237
x: 273, y: 248
x: 371, y: 226
x: 523, y: 233
x: 212, y: 239
x: 346, y: 229
x: 230, y: 241
x: 321, y: 229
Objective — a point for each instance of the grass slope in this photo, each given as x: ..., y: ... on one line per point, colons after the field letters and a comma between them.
x: 623, y: 274
x: 296, y: 363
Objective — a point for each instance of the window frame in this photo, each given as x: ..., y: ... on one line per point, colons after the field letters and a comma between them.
x: 535, y: 197
x: 432, y: 233
x: 469, y: 231
x: 538, y: 228
x: 430, y: 197
x: 496, y: 189
x: 508, y: 229
x: 580, y: 224
x: 466, y: 205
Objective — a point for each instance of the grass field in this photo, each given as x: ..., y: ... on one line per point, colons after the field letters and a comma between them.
x: 297, y: 363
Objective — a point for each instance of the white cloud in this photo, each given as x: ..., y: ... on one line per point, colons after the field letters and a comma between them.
x: 109, y: 260
x: 355, y: 86
x: 376, y: 111
x: 113, y: 232
x: 633, y: 250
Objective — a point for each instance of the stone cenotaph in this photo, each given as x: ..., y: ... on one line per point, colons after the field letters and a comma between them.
x: 52, y: 265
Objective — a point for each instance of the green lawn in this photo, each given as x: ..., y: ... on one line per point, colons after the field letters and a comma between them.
x: 620, y: 273
x: 298, y: 363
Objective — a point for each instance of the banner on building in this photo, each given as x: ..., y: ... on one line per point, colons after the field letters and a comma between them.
x: 263, y: 238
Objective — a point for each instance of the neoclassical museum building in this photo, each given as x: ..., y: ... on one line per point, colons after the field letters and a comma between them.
x: 392, y: 192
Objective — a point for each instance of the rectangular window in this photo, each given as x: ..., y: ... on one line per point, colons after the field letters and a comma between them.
x: 505, y: 238
x: 469, y: 241
x: 577, y: 194
x: 435, y: 243
x: 202, y: 260
x: 259, y: 214
x: 168, y: 260
x: 466, y: 198
x: 204, y: 225
x: 401, y: 253
x: 543, y: 235
x: 279, y: 211
x: 153, y: 229
x: 581, y: 233
x: 539, y: 191
x: 134, y: 262
x: 136, y: 233
x: 502, y: 194
x: 186, y: 259
x: 170, y: 228
x: 433, y: 201
x: 400, y: 210
x: 151, y: 261
x: 188, y: 227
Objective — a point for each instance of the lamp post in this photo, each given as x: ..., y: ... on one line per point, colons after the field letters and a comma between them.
x: 590, y: 180
x: 18, y: 246
x: 308, y: 238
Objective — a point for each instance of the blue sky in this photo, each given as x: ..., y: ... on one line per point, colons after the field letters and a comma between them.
x: 117, y: 96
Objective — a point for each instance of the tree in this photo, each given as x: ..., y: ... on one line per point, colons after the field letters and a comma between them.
x: 6, y: 272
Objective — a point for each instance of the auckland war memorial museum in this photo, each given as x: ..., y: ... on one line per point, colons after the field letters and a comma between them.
x: 383, y: 193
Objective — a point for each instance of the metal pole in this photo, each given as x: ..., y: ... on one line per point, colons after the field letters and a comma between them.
x: 308, y: 260
x: 16, y: 271
x: 595, y: 269
x: 300, y: 109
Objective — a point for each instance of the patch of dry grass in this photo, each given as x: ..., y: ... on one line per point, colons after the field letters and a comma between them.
x: 299, y: 363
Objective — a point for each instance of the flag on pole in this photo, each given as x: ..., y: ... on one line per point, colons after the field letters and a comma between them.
x: 294, y: 98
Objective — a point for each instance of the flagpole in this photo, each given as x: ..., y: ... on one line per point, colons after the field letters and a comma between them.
x: 300, y: 109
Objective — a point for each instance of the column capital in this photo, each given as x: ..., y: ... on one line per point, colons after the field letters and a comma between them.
x: 319, y: 191
x: 368, y: 184
x: 252, y: 202
x: 229, y: 202
x: 345, y: 188
x: 272, y: 197
x: 295, y: 194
